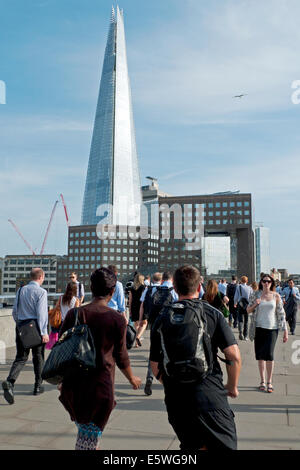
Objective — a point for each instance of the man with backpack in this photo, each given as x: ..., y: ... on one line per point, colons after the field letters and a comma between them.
x: 241, y: 302
x: 157, y: 295
x: 184, y: 343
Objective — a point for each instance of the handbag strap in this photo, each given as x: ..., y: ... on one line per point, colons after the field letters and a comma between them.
x: 77, y: 322
x: 18, y: 300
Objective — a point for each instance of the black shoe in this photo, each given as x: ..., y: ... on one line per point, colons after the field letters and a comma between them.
x: 8, y: 392
x: 147, y: 389
x: 241, y: 337
x: 38, y: 389
x: 292, y: 333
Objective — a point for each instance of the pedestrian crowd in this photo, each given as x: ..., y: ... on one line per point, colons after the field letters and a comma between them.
x: 189, y: 321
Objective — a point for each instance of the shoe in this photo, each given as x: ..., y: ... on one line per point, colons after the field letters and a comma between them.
x: 270, y: 388
x: 241, y: 337
x: 8, y: 392
x: 292, y: 332
x: 38, y: 389
x: 262, y: 386
x: 246, y: 338
x: 147, y: 389
x: 138, y: 342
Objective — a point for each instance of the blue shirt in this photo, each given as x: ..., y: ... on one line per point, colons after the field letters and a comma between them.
x: 32, y: 305
x: 165, y: 284
x: 242, y: 290
x: 117, y: 301
x: 222, y: 287
x: 286, y: 292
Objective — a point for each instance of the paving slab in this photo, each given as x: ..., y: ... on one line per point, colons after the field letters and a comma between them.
x: 263, y: 421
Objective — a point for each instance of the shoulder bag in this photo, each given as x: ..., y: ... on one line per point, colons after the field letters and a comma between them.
x: 55, y: 315
x: 27, y: 330
x: 72, y: 356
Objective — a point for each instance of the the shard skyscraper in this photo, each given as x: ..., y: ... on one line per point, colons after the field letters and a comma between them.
x: 113, y: 190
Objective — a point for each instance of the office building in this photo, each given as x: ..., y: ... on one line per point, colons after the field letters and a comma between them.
x: 16, y: 271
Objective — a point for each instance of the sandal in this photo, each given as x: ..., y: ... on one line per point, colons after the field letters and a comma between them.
x: 138, y: 342
x: 262, y: 387
x: 270, y: 388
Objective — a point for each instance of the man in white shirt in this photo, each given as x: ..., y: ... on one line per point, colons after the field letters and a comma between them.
x: 242, y: 294
x: 80, y: 288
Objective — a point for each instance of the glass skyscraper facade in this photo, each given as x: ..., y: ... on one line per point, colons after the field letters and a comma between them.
x: 262, y: 251
x: 113, y: 190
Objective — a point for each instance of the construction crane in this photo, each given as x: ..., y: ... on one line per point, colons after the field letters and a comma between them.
x: 25, y: 241
x: 48, y: 228
x: 65, y: 208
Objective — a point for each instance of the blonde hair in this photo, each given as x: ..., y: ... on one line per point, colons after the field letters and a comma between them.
x: 244, y: 279
x: 138, y: 281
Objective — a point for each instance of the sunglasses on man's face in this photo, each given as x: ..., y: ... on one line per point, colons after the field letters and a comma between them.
x: 266, y: 281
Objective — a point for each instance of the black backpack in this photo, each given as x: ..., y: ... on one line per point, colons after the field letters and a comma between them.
x: 161, y: 297
x: 186, y: 344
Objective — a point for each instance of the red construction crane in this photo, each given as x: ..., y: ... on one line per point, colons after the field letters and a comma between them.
x: 25, y: 241
x: 48, y: 228
x: 65, y: 208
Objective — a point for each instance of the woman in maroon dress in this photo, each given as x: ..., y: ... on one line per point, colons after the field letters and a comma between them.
x: 91, y: 401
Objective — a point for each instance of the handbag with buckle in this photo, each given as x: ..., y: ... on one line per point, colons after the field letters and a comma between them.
x: 28, y: 330
x: 73, y: 354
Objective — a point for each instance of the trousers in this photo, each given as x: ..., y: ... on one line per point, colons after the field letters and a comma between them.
x: 38, y: 353
x: 243, y: 317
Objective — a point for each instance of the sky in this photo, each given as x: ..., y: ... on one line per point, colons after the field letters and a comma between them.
x: 186, y: 60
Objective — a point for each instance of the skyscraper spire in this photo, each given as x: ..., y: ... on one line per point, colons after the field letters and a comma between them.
x: 113, y: 181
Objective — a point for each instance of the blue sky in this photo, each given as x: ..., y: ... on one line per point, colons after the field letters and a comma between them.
x: 186, y: 59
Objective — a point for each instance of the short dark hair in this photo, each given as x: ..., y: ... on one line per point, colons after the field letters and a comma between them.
x: 36, y: 273
x: 157, y: 277
x: 290, y: 279
x: 103, y: 282
x: 233, y: 278
x: 186, y: 279
x: 167, y: 276
x: 113, y: 268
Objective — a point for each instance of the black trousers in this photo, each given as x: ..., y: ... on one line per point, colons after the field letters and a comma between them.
x: 21, y: 359
x: 233, y: 312
x: 243, y: 321
x: 292, y: 320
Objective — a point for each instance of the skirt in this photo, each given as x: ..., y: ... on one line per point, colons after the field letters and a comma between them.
x: 264, y: 344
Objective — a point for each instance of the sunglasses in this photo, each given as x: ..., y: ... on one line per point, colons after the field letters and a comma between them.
x: 266, y: 281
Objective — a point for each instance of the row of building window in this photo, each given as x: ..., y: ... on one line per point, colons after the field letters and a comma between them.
x: 118, y: 235
x: 32, y: 262
x: 216, y: 204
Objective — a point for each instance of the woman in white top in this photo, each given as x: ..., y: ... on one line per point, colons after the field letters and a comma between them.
x: 68, y: 300
x: 267, y: 319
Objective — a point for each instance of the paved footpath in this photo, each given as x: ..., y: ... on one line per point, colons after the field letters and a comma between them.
x: 264, y: 421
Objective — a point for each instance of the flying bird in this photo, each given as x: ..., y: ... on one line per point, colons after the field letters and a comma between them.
x: 240, y: 96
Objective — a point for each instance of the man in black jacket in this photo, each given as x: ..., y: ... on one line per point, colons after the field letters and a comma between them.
x: 231, y: 288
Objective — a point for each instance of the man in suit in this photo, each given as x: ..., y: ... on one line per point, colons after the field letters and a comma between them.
x: 291, y: 300
x: 30, y: 304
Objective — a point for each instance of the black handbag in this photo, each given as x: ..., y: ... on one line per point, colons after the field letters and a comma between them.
x: 74, y: 354
x: 28, y: 330
x: 130, y: 336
